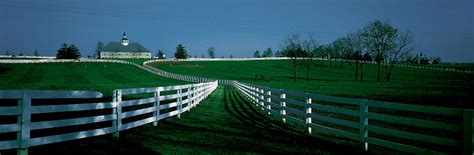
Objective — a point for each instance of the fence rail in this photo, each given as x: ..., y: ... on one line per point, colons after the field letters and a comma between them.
x: 393, y: 125
x: 319, y: 59
x: 120, y: 114
x: 182, y: 77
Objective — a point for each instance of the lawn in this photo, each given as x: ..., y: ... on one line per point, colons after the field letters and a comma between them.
x: 103, y: 77
x: 419, y: 86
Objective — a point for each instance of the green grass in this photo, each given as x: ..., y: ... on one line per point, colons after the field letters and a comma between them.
x: 224, y: 123
x: 418, y: 86
x: 103, y: 77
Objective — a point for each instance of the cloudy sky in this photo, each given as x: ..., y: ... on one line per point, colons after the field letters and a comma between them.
x: 238, y: 27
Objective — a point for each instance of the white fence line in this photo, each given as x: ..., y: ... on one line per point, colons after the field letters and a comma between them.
x: 298, y: 107
x: 320, y: 59
x: 181, y: 76
x: 183, y: 99
x: 49, y: 60
x: 26, y: 57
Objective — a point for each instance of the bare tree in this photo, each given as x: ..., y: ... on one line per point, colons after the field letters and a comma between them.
x: 354, y: 47
x: 292, y: 48
x: 338, y: 46
x: 379, y: 39
x: 309, y: 47
x: 403, y: 45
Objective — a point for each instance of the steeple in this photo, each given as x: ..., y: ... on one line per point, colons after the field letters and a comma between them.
x: 124, y: 40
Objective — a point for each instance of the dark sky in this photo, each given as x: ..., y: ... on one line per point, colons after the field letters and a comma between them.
x: 238, y: 27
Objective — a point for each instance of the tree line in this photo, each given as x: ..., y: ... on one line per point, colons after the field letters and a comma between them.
x: 378, y: 41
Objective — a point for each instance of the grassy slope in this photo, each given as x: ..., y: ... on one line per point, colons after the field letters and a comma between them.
x: 102, y: 77
x: 408, y: 85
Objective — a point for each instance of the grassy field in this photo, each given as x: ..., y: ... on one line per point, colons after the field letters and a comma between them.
x: 224, y: 123
x: 407, y: 86
x: 103, y: 77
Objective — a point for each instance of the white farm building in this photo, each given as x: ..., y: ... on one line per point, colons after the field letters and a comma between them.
x: 124, y: 49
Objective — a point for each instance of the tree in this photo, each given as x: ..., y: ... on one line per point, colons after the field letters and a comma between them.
x: 338, y: 47
x: 354, y: 46
x: 403, y: 45
x: 211, y: 51
x: 423, y: 61
x: 160, y: 54
x: 98, y: 49
x: 292, y: 48
x: 436, y: 60
x: 35, y: 53
x: 181, y: 52
x: 379, y: 39
x: 309, y: 46
x: 278, y: 54
x: 268, y: 53
x: 68, y: 52
x: 256, y: 54
x: 366, y: 57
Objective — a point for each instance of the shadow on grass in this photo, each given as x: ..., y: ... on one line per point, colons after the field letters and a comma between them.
x: 101, y: 145
x: 228, y: 123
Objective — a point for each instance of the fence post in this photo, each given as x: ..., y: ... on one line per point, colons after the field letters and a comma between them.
x: 262, y: 99
x: 308, y: 112
x: 363, y: 122
x: 196, y: 95
x: 180, y: 104
x: 117, y: 111
x: 467, y: 132
x: 24, y: 120
x: 157, y: 107
x: 190, y: 98
x: 269, y: 100
x: 257, y: 100
x: 282, y: 105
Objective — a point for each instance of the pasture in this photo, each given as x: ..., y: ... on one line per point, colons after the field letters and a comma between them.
x: 103, y: 77
x: 408, y: 85
x: 226, y: 122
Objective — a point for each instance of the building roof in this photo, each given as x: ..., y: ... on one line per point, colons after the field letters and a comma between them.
x: 118, y: 47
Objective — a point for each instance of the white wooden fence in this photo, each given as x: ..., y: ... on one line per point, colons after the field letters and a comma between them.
x: 208, y: 59
x: 181, y: 99
x: 349, y: 118
x: 320, y: 59
x: 182, y: 77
